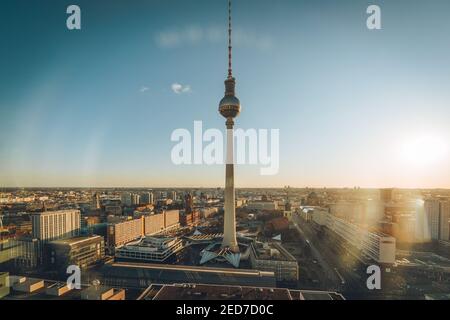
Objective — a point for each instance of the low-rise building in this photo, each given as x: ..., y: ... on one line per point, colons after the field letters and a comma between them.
x: 262, y: 205
x: 4, y: 284
x: 81, y: 251
x: 102, y: 293
x: 150, y: 249
x: 227, y: 292
x: 120, y: 233
x: 272, y: 256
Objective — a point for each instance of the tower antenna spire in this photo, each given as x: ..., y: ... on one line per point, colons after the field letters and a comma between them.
x: 230, y: 47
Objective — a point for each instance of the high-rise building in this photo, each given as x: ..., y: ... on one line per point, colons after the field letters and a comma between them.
x: 188, y: 203
x: 147, y: 198
x: 96, y: 201
x: 444, y: 220
x: 125, y: 198
x: 431, y: 219
x: 52, y: 225
x: 135, y: 199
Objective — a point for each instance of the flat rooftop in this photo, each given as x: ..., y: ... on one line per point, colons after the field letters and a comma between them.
x: 219, y: 292
x: 272, y: 251
x: 41, y: 294
x: 225, y: 292
x: 143, y: 274
x: 76, y: 240
x: 422, y: 260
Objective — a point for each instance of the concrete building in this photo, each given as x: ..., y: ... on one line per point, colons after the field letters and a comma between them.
x: 141, y: 275
x: 171, y: 219
x: 190, y: 219
x: 126, y: 199
x: 207, y: 212
x: 102, y: 293
x: 262, y: 205
x: 114, y: 210
x: 57, y: 289
x: 274, y: 257
x: 124, y: 232
x: 51, y: 225
x: 4, y: 284
x: 81, y: 251
x: 153, y: 224
x: 229, y: 108
x: 26, y: 253
x: 444, y: 220
x: 363, y: 211
x: 135, y: 199
x: 147, y: 198
x: 150, y: 249
x: 28, y: 285
x: 96, y: 201
x: 431, y: 219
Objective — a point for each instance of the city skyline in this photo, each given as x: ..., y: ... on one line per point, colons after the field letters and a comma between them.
x: 96, y: 107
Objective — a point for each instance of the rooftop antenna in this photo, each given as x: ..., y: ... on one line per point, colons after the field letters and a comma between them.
x: 230, y: 47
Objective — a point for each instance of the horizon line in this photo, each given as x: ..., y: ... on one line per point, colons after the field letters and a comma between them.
x: 222, y: 187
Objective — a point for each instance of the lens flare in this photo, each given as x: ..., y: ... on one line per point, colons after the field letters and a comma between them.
x: 425, y: 150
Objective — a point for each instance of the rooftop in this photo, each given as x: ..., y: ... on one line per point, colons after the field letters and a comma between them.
x: 225, y: 292
x: 75, y: 240
x: 271, y: 251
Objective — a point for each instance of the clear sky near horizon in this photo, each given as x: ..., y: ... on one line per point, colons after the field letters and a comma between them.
x: 97, y: 106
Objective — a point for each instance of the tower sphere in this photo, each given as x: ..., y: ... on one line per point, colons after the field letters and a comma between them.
x: 230, y: 106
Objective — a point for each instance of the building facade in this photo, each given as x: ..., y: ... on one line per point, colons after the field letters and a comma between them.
x: 444, y: 221
x: 81, y: 251
x: 124, y: 232
x: 51, y: 225
x: 275, y: 258
x: 150, y: 249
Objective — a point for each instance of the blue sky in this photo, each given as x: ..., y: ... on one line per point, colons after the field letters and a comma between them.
x: 95, y: 107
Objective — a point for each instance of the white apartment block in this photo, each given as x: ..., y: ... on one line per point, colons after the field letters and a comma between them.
x: 52, y: 225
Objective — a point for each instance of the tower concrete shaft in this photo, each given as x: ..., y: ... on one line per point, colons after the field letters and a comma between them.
x: 229, y: 227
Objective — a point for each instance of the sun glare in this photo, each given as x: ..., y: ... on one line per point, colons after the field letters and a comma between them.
x: 424, y: 150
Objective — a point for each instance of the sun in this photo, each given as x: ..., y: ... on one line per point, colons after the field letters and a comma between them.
x: 424, y: 150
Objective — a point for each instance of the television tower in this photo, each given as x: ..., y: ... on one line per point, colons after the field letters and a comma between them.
x: 229, y: 108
